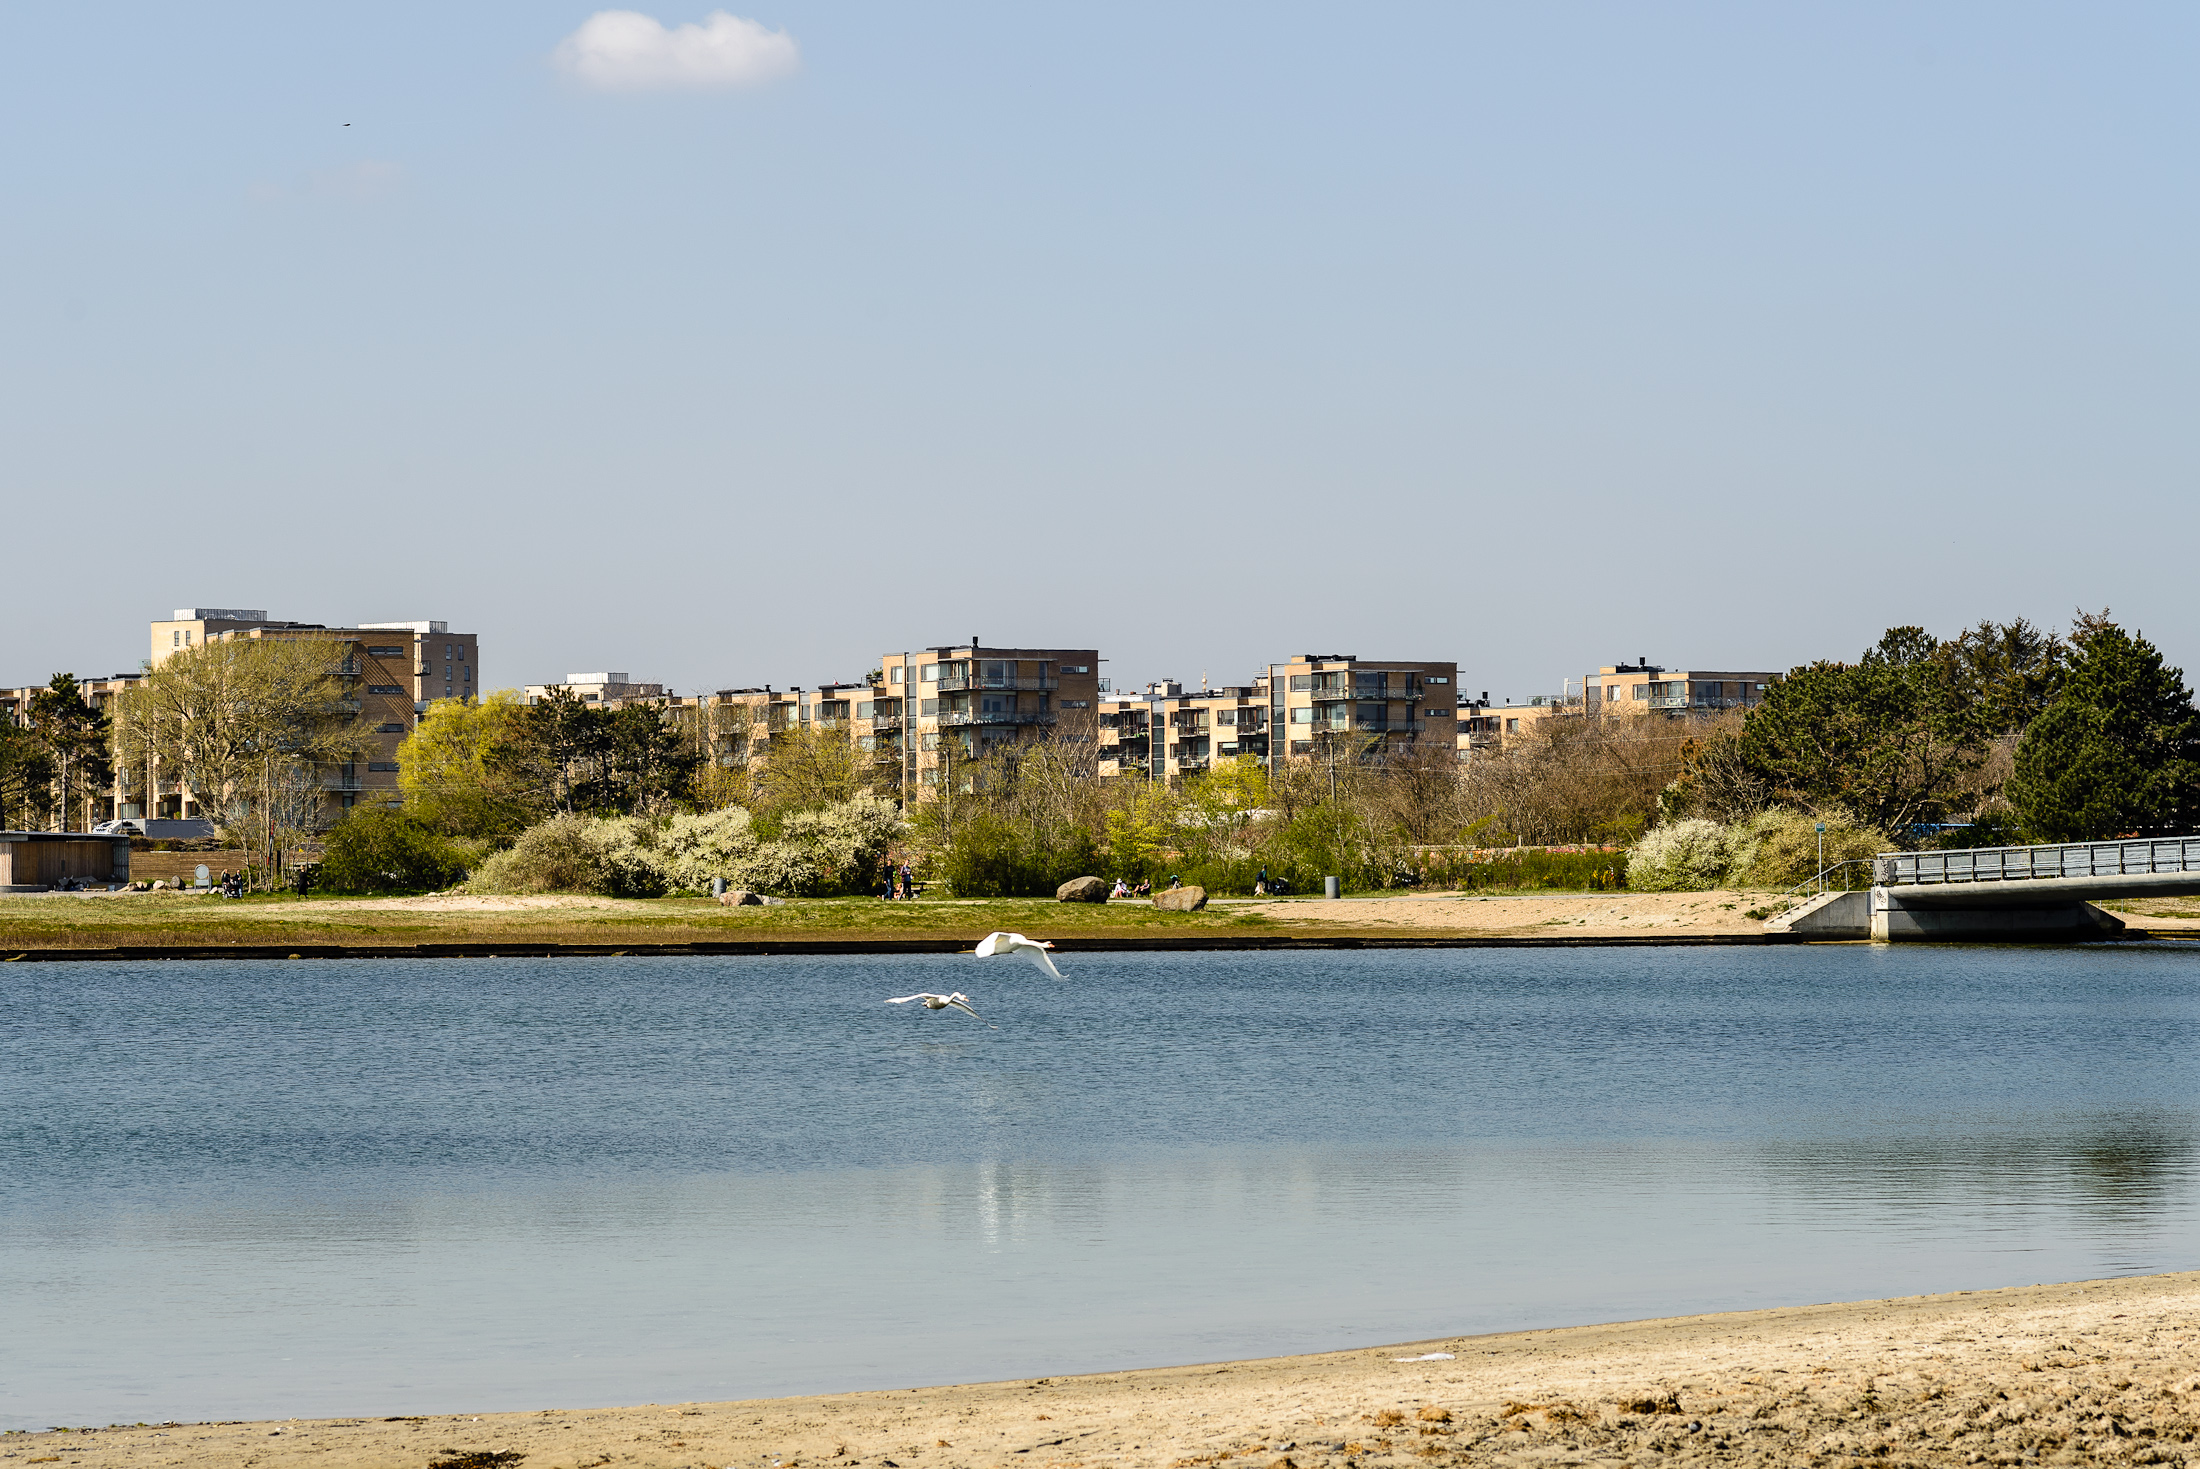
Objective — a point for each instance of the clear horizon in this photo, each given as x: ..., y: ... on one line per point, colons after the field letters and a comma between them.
x: 728, y: 348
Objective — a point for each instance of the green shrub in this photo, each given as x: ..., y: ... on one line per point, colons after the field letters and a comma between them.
x: 1779, y: 849
x: 992, y: 856
x: 561, y: 855
x: 375, y: 850
x: 1527, y: 867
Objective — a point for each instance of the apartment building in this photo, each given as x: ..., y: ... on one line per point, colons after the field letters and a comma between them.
x: 393, y: 669
x: 1374, y: 706
x: 1197, y: 728
x: 973, y: 700
x: 1646, y: 688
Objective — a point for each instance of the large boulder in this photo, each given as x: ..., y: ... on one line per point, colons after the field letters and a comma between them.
x: 1082, y: 890
x: 739, y: 898
x: 1181, y: 900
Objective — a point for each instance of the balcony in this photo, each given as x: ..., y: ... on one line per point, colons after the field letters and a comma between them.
x: 973, y: 716
x: 1196, y: 763
x: 341, y: 783
x: 1338, y: 696
x: 886, y: 721
x: 1031, y: 685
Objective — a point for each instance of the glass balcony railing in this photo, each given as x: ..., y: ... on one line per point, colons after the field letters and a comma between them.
x: 979, y: 681
x: 979, y: 716
x: 1334, y: 696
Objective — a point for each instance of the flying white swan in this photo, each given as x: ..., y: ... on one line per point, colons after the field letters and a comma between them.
x: 1016, y: 943
x: 958, y: 999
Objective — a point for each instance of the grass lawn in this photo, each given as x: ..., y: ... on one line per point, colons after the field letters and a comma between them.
x: 33, y: 921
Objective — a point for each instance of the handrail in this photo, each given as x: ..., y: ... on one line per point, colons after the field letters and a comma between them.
x: 1813, y: 886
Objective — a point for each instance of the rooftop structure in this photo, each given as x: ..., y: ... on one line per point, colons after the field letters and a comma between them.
x: 597, y: 688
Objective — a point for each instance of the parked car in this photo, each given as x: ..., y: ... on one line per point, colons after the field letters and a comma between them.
x: 189, y: 829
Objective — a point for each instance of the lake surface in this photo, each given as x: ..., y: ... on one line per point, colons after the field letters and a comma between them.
x: 238, y: 1190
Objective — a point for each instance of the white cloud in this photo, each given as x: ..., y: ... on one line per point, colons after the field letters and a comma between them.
x: 627, y: 51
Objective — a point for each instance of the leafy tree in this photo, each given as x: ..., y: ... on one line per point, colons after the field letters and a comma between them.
x: 2011, y: 670
x: 73, y: 736
x: 1892, y: 738
x: 376, y: 850
x: 569, y: 739
x: 807, y: 769
x: 2118, y: 750
x: 472, y: 768
x: 26, y: 778
x: 646, y: 761
x: 248, y: 726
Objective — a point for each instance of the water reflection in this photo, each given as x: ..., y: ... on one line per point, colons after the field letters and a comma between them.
x: 2121, y: 1170
x: 246, y: 1190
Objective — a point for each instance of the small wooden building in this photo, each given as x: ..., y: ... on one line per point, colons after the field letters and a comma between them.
x: 34, y: 861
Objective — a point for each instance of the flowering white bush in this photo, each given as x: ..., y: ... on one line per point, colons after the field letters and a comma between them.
x: 1679, y: 857
x: 817, y: 853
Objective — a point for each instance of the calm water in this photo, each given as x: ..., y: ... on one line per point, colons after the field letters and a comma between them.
x: 236, y: 1190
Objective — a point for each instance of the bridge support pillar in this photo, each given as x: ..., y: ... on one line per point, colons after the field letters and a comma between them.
x: 1900, y: 917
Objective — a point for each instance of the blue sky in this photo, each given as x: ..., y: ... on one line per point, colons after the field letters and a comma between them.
x: 1534, y: 336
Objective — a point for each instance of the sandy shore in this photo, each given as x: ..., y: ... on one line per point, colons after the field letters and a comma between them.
x: 1585, y: 915
x: 2099, y: 1372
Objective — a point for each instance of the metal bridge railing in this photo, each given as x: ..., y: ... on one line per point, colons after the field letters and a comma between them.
x: 2021, y: 864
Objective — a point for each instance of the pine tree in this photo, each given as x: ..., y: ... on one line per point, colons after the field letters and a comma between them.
x: 2116, y: 752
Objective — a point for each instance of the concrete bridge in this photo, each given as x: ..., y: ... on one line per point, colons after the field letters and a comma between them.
x: 2003, y: 893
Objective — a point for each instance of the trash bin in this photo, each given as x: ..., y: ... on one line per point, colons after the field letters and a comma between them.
x: 1329, y: 887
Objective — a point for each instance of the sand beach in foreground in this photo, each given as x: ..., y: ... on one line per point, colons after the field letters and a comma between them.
x: 2101, y: 1371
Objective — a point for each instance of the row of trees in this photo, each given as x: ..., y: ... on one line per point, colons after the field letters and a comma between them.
x: 2004, y: 731
x: 55, y: 763
x: 2012, y: 732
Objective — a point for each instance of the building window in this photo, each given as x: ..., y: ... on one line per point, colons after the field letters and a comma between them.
x: 893, y: 675
x: 175, y: 639
x: 385, y: 651
x: 389, y: 729
x: 1077, y: 668
x: 1302, y: 747
x: 1302, y: 683
x: 388, y: 767
x: 1512, y: 726
x: 929, y: 673
x: 1439, y: 680
x: 1302, y: 715
x: 390, y: 688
